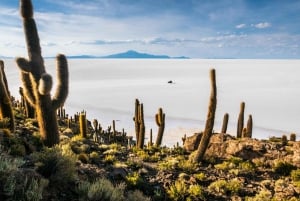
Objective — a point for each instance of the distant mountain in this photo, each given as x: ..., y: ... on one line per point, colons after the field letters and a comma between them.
x: 135, y: 54
x: 130, y: 54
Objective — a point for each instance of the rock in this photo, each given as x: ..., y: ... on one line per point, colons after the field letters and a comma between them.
x: 283, y: 190
x: 119, y: 173
x: 192, y: 142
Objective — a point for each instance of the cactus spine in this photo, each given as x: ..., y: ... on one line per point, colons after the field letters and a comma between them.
x: 240, y: 124
x: 225, y: 123
x: 209, y: 125
x: 6, y: 110
x: 160, y: 121
x: 37, y: 83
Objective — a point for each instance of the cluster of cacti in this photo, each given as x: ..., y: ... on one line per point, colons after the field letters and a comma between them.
x: 6, y: 110
x: 160, y: 121
x: 225, y: 123
x: 139, y: 124
x: 241, y: 130
x: 37, y: 83
x: 208, y: 131
x: 61, y: 113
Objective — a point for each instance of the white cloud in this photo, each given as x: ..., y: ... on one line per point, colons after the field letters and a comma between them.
x: 262, y: 25
x: 240, y: 26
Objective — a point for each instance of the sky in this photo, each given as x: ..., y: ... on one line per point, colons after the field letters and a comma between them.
x: 242, y: 29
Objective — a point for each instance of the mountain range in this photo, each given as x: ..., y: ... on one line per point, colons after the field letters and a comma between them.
x: 130, y: 54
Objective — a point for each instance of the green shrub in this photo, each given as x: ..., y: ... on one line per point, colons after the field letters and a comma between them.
x: 263, y: 195
x: 137, y: 196
x: 225, y: 187
x: 53, y: 165
x: 102, y: 189
x: 16, y: 185
x: 179, y: 191
x: 134, y: 180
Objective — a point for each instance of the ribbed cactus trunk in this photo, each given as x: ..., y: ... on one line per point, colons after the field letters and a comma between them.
x: 225, y: 123
x: 83, y: 125
x: 37, y: 83
x: 141, y: 138
x: 240, y: 124
x: 6, y: 110
x: 135, y: 119
x: 160, y: 121
x: 209, y: 125
x: 249, y: 126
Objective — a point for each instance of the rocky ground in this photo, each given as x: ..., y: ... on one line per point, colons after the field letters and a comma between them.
x: 233, y: 169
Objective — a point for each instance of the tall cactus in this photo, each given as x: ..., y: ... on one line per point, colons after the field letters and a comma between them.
x: 160, y: 121
x: 249, y: 126
x: 240, y: 124
x: 37, y: 83
x: 135, y: 119
x: 142, y: 127
x: 139, y: 124
x: 225, y: 123
x: 6, y: 110
x: 83, y: 125
x: 209, y: 125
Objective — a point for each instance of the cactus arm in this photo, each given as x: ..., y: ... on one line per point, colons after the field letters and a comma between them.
x: 45, y: 84
x: 24, y: 64
x: 62, y: 82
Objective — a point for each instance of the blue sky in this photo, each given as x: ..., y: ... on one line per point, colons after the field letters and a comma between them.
x: 194, y: 28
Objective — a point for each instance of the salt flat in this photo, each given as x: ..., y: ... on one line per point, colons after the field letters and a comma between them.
x: 107, y: 88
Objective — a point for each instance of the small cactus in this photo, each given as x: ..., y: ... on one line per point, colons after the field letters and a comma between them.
x: 160, y: 121
x: 293, y: 137
x: 209, y: 125
x: 284, y: 140
x: 249, y: 126
x: 225, y: 123
x: 83, y: 125
x: 150, y: 143
x: 240, y: 124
